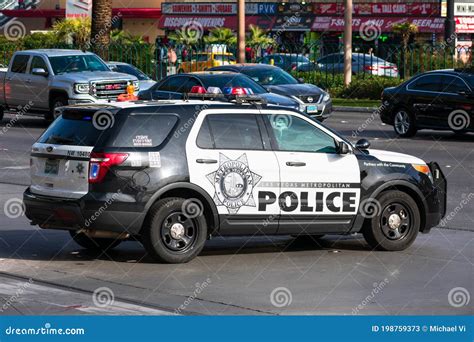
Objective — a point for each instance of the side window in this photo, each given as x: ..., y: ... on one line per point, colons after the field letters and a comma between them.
x: 230, y: 132
x: 426, y: 83
x: 38, y: 62
x: 20, y: 62
x: 174, y: 84
x: 298, y: 135
x: 188, y: 85
x: 453, y: 85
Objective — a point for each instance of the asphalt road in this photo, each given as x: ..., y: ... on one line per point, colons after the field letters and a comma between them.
x: 44, y: 272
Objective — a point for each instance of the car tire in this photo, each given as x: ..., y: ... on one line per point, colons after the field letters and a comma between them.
x: 95, y: 244
x: 56, y: 102
x: 404, y: 123
x: 393, y: 222
x: 172, y: 236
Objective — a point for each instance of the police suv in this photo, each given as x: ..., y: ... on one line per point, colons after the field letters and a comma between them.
x: 175, y: 173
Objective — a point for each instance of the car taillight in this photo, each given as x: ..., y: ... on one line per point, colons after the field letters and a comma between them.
x: 198, y: 90
x: 370, y: 68
x: 100, y: 164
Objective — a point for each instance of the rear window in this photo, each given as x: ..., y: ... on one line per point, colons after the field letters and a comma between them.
x: 74, y: 129
x: 19, y: 63
x: 144, y: 130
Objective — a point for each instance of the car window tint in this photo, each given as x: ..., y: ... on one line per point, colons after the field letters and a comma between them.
x: 38, y: 63
x: 188, y: 85
x: 20, y: 63
x: 128, y: 69
x: 144, y: 130
x: 234, y: 131
x: 426, y: 83
x: 453, y: 84
x: 295, y: 134
x: 204, y: 139
x: 202, y: 57
x: 174, y: 84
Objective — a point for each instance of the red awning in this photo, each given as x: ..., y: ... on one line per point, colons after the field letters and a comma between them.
x: 380, y: 24
x: 176, y: 22
x: 151, y: 13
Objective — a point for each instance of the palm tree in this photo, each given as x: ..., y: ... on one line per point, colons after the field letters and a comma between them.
x: 181, y: 37
x: 73, y: 31
x: 405, y: 30
x: 101, y: 24
x: 259, y: 38
x: 221, y: 35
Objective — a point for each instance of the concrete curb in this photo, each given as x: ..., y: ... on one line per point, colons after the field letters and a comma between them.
x: 354, y: 109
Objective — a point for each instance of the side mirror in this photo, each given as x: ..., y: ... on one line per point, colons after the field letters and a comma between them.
x: 40, y: 72
x: 363, y: 144
x: 343, y: 148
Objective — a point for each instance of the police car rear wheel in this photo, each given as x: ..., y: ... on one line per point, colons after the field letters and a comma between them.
x: 171, y: 235
x: 98, y: 244
x: 396, y: 226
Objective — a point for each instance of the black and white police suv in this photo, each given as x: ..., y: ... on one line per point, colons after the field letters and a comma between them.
x: 175, y: 173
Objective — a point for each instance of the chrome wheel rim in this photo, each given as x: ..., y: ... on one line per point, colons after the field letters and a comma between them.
x: 402, y: 122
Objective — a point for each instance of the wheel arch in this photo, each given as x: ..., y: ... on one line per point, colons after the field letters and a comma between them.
x: 188, y: 190
x: 55, y: 93
x: 403, y: 186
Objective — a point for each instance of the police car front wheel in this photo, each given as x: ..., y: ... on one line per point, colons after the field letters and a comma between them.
x: 395, y: 225
x: 173, y: 235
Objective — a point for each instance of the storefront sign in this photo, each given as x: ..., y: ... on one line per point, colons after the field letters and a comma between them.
x: 215, y: 8
x: 382, y: 24
x: 464, y: 9
x: 293, y: 23
x: 464, y: 24
x: 78, y: 8
x: 176, y: 22
x: 294, y: 8
x: 413, y: 9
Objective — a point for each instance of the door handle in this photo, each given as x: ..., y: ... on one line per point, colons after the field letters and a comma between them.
x: 206, y: 161
x: 297, y: 164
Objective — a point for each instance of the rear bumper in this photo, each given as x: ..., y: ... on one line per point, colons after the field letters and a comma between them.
x: 67, y: 214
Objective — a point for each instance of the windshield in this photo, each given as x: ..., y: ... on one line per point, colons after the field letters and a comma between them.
x: 131, y: 70
x: 79, y: 63
x: 269, y: 76
x: 233, y: 80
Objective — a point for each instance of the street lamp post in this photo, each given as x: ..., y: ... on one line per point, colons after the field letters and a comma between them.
x: 347, y: 42
x: 241, y: 30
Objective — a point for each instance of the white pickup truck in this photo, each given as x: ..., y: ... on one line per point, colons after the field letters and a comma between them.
x: 38, y: 81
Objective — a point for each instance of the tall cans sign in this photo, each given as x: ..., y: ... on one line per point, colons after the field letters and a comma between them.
x: 78, y: 8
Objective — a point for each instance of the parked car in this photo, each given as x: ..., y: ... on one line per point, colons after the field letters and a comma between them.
x: 145, y: 81
x: 176, y: 173
x: 313, y: 100
x: 361, y: 63
x: 42, y: 80
x: 287, y: 61
x: 173, y: 87
x: 441, y: 100
x: 205, y: 60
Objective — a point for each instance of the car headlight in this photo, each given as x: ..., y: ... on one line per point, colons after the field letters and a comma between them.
x: 82, y: 88
x: 423, y: 168
x: 302, y: 108
x: 326, y: 97
x: 136, y: 84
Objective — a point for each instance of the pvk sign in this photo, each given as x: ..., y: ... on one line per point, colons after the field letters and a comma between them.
x: 78, y: 8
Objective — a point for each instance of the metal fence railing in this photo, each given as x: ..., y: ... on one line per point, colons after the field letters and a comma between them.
x: 317, y: 63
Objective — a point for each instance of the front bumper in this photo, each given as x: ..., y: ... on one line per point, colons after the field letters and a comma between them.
x: 75, y: 214
x: 436, y: 209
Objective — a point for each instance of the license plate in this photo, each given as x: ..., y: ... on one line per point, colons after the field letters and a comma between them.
x: 51, y: 166
x: 312, y: 109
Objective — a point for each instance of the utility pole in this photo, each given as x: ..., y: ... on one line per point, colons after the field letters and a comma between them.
x: 450, y: 25
x: 241, y: 31
x: 347, y: 42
